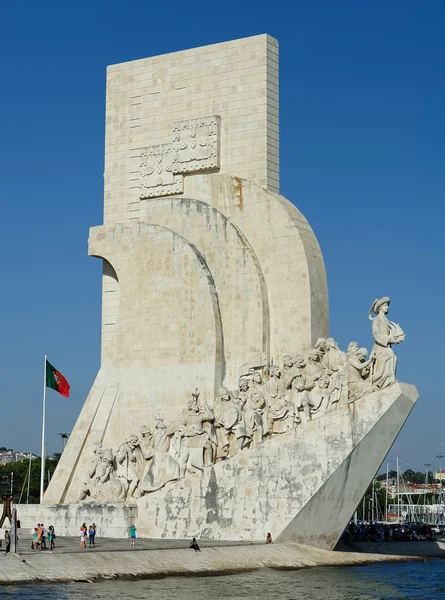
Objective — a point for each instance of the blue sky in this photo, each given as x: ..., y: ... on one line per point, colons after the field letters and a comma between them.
x: 362, y: 126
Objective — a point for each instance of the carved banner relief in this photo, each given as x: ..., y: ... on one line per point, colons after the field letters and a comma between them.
x: 195, y: 147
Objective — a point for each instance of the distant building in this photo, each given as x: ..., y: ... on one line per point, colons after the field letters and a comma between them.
x: 12, y: 456
x: 415, y: 489
x: 440, y: 475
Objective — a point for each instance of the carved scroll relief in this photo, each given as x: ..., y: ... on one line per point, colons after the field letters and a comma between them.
x: 195, y: 147
x: 156, y: 177
x: 196, y: 142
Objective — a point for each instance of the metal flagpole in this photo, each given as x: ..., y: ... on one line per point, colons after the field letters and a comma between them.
x: 42, y: 470
x: 29, y: 479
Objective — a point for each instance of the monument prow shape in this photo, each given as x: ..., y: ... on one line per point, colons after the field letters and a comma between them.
x: 210, y: 277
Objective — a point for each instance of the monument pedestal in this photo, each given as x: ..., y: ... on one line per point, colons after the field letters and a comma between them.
x: 112, y: 520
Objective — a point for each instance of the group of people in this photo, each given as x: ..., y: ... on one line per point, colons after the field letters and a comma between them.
x: 87, y: 533
x: 41, y: 535
x: 387, y: 532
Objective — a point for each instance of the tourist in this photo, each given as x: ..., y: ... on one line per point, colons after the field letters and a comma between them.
x: 194, y: 545
x: 268, y: 539
x: 51, y: 537
x: 34, y: 539
x: 94, y: 533
x: 133, y: 535
x: 8, y: 542
x: 39, y: 536
x: 83, y: 532
x: 43, y: 537
x: 91, y: 535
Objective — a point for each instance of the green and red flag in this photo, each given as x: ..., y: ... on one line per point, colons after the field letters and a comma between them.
x: 56, y: 381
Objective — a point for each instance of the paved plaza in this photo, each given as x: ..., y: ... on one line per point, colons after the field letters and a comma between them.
x: 68, y: 545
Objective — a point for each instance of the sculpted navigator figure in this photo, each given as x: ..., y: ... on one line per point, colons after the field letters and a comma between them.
x: 164, y: 467
x: 88, y: 486
x: 301, y: 399
x: 358, y: 371
x: 229, y: 422
x: 386, y: 333
x: 320, y: 395
x: 335, y: 361
x: 104, y: 485
x: 254, y: 410
x: 314, y: 369
x: 194, y: 444
x: 132, y: 462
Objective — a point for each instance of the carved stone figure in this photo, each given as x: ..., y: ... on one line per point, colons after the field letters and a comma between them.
x: 300, y: 397
x: 95, y: 462
x: 320, y: 395
x: 274, y: 386
x: 251, y: 396
x: 289, y: 371
x: 164, y: 466
x: 352, y: 349
x: 335, y: 361
x: 386, y: 333
x: 256, y: 383
x: 254, y: 410
x: 314, y: 368
x: 358, y: 370
x: 147, y: 442
x: 147, y: 447
x: 243, y: 392
x: 300, y: 364
x: 132, y: 462
x: 229, y: 422
x: 103, y: 484
x: 193, y: 445
x: 107, y: 486
x: 320, y: 347
x: 280, y: 414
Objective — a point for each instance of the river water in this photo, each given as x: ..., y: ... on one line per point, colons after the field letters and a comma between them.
x: 413, y: 581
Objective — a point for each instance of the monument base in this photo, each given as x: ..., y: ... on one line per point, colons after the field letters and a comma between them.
x: 112, y: 520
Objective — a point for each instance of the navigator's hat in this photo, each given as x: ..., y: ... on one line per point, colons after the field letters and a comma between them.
x: 377, y: 304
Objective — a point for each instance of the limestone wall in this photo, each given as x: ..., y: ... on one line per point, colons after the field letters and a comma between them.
x: 236, y: 80
x: 112, y: 520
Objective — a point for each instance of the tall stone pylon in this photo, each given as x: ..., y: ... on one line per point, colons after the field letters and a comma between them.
x: 207, y: 270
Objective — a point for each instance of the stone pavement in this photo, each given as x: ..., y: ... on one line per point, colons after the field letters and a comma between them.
x: 68, y: 545
x: 98, y: 564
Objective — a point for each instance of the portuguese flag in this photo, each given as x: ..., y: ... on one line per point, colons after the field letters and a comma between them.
x: 56, y: 381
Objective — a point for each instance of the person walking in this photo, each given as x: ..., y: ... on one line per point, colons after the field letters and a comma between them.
x: 91, y: 535
x: 43, y: 537
x: 34, y: 539
x: 51, y: 537
x: 268, y: 539
x: 39, y: 536
x: 94, y: 533
x: 8, y: 542
x: 83, y: 532
x: 133, y: 535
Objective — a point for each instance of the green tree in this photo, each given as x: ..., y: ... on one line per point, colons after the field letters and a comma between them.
x: 20, y: 470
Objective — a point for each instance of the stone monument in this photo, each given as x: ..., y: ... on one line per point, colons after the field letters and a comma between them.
x: 222, y: 408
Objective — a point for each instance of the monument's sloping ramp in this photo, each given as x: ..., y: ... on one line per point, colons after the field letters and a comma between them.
x: 301, y: 486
